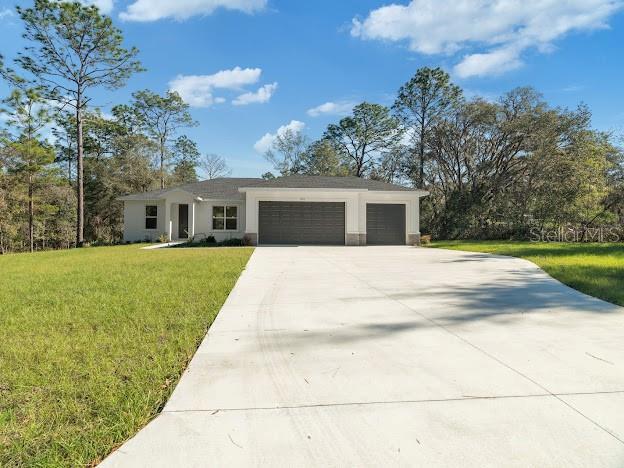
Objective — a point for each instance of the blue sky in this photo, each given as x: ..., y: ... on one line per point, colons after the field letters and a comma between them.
x: 250, y: 67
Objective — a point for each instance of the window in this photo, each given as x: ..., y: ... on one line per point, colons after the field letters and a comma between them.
x: 151, y: 216
x: 224, y: 218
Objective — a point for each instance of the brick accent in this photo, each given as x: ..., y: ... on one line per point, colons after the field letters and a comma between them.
x: 413, y: 239
x: 250, y: 238
x: 355, y: 239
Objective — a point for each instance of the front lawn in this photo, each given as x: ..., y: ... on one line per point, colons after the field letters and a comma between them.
x: 93, y: 341
x: 595, y: 269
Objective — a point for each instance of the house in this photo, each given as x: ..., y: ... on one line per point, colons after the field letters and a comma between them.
x: 285, y: 210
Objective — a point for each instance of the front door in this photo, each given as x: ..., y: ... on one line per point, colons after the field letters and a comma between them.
x: 183, y: 222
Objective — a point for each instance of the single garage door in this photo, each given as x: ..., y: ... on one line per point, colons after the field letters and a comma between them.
x: 301, y: 223
x: 385, y: 224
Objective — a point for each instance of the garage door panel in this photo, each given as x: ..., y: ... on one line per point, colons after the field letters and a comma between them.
x: 301, y: 223
x: 385, y: 224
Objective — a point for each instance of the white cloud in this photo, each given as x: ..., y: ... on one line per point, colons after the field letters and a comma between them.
x: 573, y: 88
x: 105, y: 6
x: 264, y: 143
x: 6, y: 13
x: 152, y: 10
x: 503, y: 28
x: 496, y: 62
x: 263, y: 94
x: 331, y: 108
x: 197, y: 90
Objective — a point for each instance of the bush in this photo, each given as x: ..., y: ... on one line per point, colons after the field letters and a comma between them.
x: 425, y: 239
x: 210, y: 240
x: 163, y: 238
x: 234, y: 242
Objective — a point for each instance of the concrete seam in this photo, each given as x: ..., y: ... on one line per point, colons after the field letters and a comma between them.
x: 391, y: 402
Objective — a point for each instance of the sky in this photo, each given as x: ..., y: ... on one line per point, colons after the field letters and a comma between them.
x: 252, y: 68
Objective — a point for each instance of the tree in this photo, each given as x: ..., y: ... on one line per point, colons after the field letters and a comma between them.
x: 28, y: 157
x: 321, y: 158
x: 186, y: 157
x: 161, y: 117
x: 8, y: 198
x: 365, y: 136
x: 422, y: 102
x: 287, y: 151
x: 214, y: 166
x: 499, y: 168
x: 64, y: 132
x: 393, y: 165
x: 74, y: 49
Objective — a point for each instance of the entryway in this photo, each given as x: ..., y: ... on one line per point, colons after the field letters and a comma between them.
x: 183, y: 210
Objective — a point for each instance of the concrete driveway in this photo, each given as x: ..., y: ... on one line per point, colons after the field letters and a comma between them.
x: 386, y: 356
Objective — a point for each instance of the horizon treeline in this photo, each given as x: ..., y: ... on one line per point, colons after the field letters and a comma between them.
x: 494, y: 168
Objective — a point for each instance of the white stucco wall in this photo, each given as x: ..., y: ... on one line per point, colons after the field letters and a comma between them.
x: 134, y: 220
x: 200, y: 212
x: 409, y: 199
x: 203, y: 218
x: 350, y: 198
x: 355, y: 205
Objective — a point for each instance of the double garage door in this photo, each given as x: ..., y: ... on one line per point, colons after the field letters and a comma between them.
x: 323, y: 223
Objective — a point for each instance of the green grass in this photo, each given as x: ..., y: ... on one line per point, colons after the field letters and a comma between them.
x: 595, y: 269
x: 92, y: 342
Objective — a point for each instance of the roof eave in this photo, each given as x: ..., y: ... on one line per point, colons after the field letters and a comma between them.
x: 161, y: 196
x: 293, y: 189
x: 421, y: 193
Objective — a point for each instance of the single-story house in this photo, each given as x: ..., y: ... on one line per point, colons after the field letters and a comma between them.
x: 283, y: 210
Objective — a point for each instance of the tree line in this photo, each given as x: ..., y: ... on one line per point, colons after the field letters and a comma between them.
x: 493, y: 168
x: 63, y: 162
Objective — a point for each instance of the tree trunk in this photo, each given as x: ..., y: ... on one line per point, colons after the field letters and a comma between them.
x: 31, y: 211
x: 79, y: 176
x: 421, y: 156
x: 162, y: 165
x: 69, y: 160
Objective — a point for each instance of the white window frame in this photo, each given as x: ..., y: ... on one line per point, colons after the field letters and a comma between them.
x: 225, y: 217
x: 151, y: 217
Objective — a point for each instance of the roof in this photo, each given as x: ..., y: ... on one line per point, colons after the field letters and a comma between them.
x: 227, y: 188
x: 330, y: 182
x: 223, y: 188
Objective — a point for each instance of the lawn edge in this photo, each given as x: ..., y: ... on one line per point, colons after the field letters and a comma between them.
x: 173, y: 387
x: 535, y: 265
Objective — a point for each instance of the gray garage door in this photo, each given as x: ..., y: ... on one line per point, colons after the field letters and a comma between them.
x: 301, y: 223
x: 385, y: 224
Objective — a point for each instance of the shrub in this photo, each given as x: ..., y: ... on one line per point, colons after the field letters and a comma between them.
x: 163, y: 238
x: 234, y: 242
x: 425, y: 239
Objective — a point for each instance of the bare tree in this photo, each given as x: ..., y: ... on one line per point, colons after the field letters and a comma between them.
x: 214, y: 166
x: 287, y: 152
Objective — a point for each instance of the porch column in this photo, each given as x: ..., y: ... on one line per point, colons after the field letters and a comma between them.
x: 168, y: 219
x: 192, y: 220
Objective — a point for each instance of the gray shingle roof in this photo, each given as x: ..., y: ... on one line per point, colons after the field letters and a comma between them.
x: 303, y: 181
x: 226, y: 188
x: 223, y: 188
